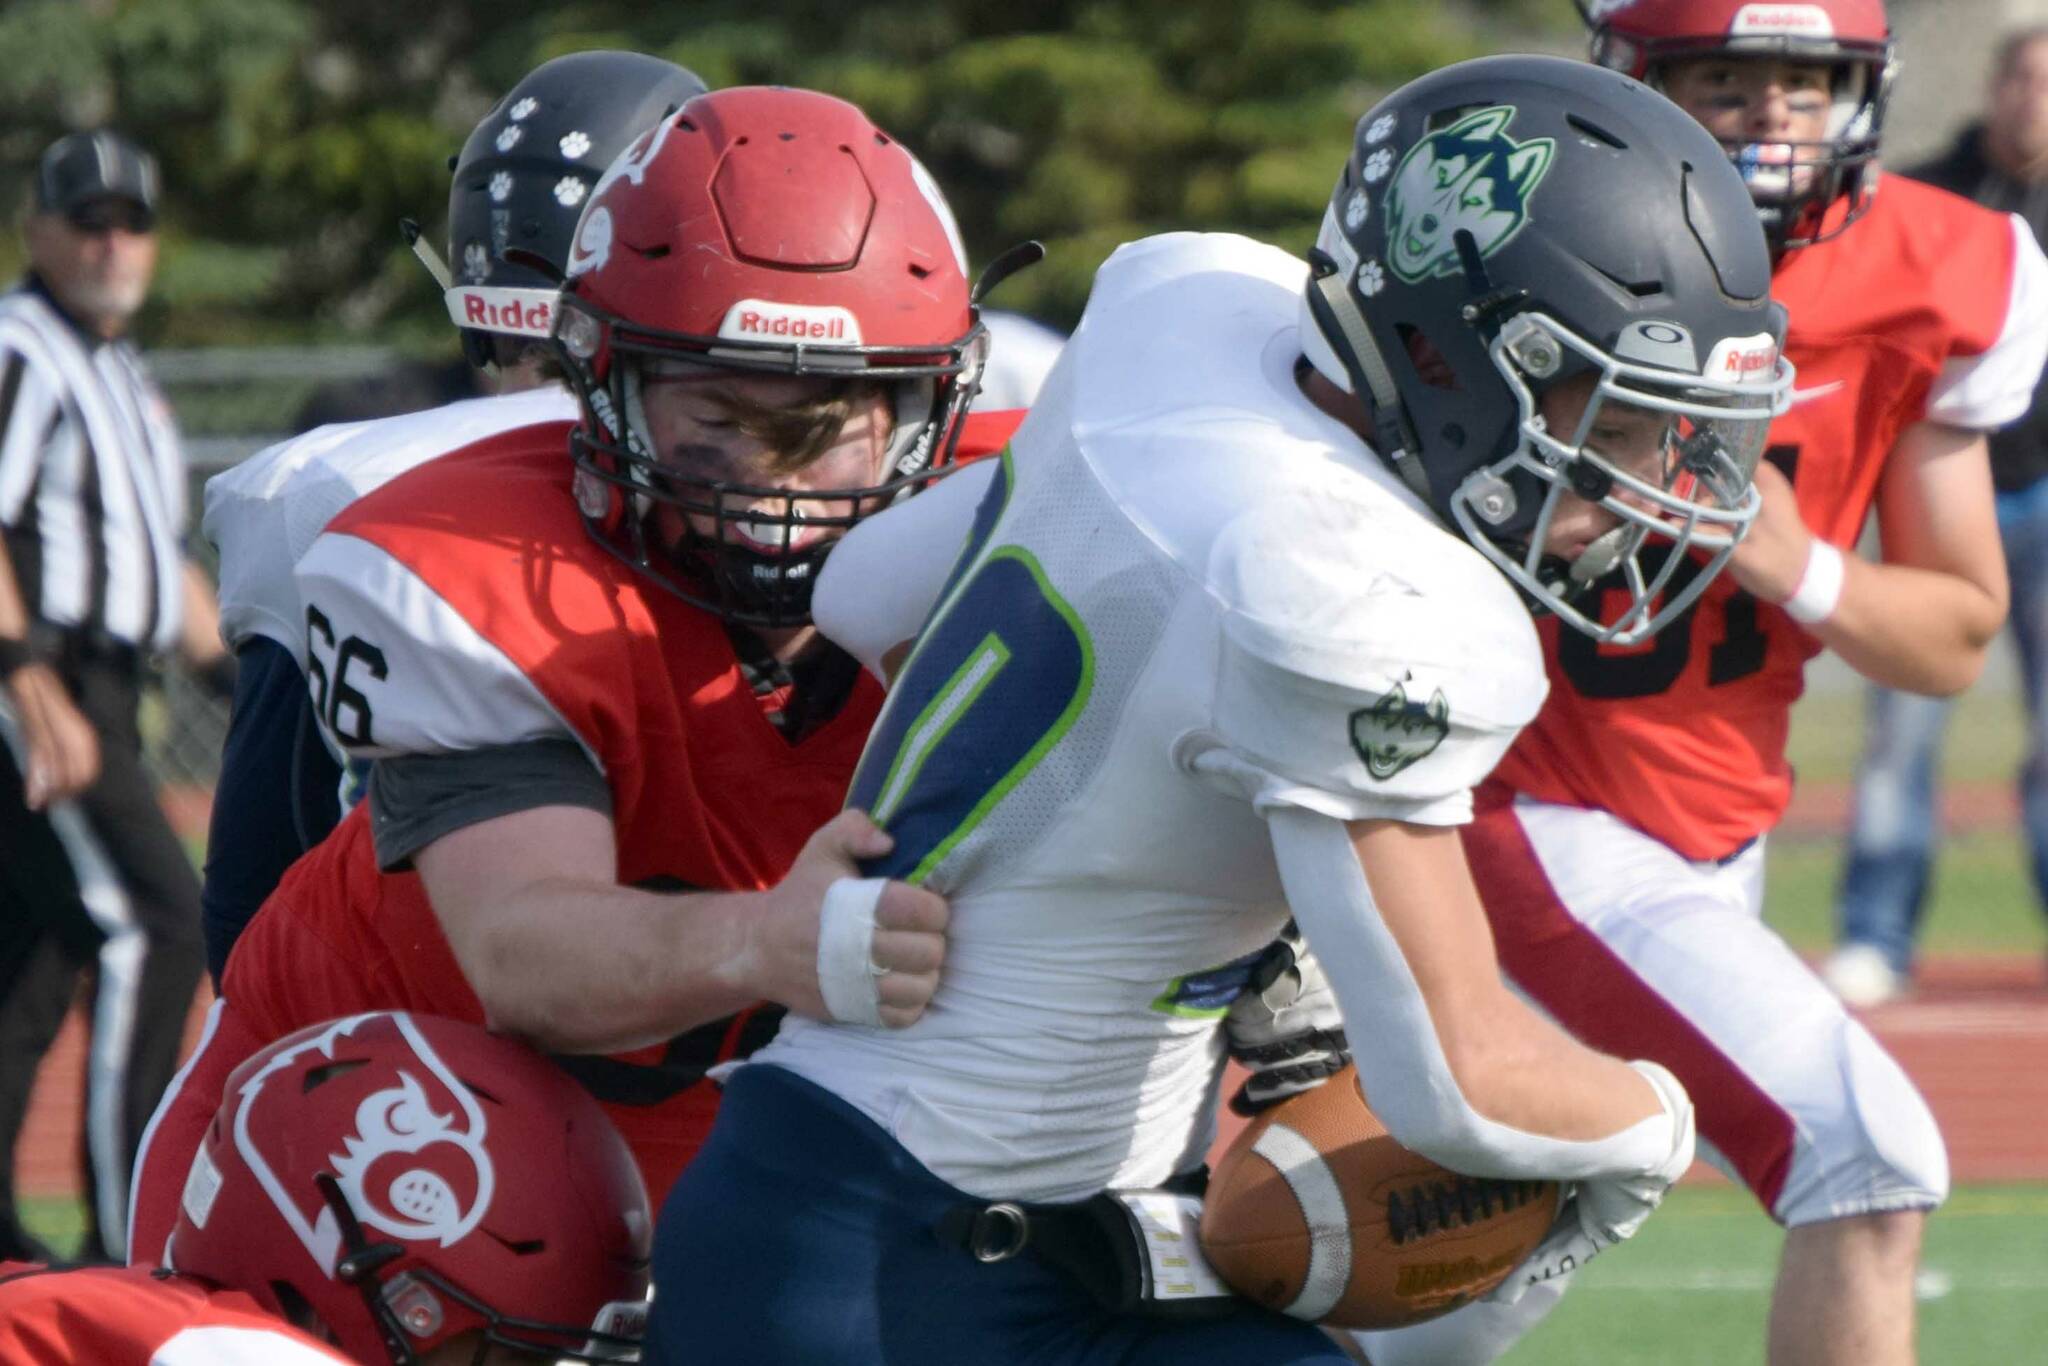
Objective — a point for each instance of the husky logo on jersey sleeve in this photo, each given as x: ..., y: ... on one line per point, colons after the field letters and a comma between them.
x: 1469, y: 177
x: 1394, y: 732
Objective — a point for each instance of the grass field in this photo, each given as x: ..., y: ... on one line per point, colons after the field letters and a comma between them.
x: 1692, y: 1288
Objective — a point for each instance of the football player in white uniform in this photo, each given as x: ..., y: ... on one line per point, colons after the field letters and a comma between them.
x: 519, y: 185
x: 1238, y: 624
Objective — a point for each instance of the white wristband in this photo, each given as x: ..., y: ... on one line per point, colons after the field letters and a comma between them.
x: 1820, y: 587
x: 847, y: 976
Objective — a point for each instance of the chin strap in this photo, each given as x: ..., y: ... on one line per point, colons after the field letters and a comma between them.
x: 1329, y: 300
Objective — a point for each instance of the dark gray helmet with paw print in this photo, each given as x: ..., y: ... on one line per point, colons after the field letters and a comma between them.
x: 522, y: 177
x: 1511, y: 224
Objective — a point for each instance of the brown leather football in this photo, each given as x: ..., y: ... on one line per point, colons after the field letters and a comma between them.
x: 1317, y: 1212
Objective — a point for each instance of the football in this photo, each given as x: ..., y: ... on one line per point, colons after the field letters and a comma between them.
x: 1317, y: 1212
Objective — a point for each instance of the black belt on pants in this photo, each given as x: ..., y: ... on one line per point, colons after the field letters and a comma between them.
x: 1090, y: 1240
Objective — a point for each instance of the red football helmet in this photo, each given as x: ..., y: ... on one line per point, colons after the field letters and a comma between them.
x: 412, y: 1178
x: 1639, y: 36
x: 762, y: 230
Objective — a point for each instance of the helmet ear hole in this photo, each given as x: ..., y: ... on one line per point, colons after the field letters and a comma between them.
x: 1431, y: 366
x: 316, y: 1077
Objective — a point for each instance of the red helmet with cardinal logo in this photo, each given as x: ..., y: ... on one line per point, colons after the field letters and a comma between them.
x: 410, y: 1179
x: 760, y: 231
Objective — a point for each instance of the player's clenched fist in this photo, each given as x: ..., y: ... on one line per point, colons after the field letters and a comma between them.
x: 835, y: 945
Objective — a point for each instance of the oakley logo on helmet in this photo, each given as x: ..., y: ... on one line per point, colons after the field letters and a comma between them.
x: 497, y: 308
x: 1393, y: 732
x: 764, y: 320
x: 1803, y: 21
x: 416, y: 1168
x: 1654, y: 342
x: 1470, y: 176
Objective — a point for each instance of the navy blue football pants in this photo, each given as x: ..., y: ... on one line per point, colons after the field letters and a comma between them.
x: 803, y: 1233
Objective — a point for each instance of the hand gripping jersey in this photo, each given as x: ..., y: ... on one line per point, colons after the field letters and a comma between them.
x: 1185, y: 597
x: 1928, y: 307
x: 461, y: 605
x: 136, y: 1316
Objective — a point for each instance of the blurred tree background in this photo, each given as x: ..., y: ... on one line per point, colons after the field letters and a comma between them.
x: 294, y: 135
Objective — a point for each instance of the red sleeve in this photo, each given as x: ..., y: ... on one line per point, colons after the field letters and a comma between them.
x: 983, y: 434
x: 131, y: 1316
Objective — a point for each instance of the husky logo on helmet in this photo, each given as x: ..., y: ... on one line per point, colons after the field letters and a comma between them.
x: 415, y: 1169
x: 1468, y: 177
x: 1393, y: 732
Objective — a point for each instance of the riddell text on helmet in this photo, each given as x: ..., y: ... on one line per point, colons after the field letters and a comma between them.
x: 523, y: 312
x: 751, y: 318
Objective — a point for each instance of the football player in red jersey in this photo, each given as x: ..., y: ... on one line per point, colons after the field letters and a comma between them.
x: 604, y: 727
x: 1621, y: 859
x: 402, y: 1188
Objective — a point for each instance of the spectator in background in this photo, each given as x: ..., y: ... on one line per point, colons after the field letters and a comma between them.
x: 2002, y: 163
x: 93, y: 582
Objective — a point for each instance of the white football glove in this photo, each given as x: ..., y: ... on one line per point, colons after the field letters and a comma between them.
x: 1595, y: 1215
x: 1285, y: 1026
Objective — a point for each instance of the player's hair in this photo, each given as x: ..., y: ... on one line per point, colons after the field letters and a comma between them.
x: 795, y: 432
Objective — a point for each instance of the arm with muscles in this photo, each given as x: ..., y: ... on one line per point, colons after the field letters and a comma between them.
x: 1460, y: 1069
x: 1921, y: 621
x: 563, y: 956
x: 59, y: 750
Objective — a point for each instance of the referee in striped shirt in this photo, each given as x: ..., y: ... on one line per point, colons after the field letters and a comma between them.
x: 93, y: 581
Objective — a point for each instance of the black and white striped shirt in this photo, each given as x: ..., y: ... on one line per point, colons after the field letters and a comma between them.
x: 92, y: 481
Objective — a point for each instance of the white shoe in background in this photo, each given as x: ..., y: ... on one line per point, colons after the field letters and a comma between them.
x: 1862, y: 977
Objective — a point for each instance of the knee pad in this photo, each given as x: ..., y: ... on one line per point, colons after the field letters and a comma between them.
x: 1878, y: 1149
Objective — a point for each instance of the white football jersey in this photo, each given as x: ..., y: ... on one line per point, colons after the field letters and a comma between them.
x: 262, y: 514
x: 1186, y: 596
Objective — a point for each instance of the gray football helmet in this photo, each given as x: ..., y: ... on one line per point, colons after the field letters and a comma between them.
x: 1513, y: 223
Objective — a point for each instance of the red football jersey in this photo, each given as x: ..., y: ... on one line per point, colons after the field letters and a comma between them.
x: 135, y: 1316
x: 494, y: 617
x: 1900, y: 318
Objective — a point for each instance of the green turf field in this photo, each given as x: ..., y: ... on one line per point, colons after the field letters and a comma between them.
x: 1692, y: 1288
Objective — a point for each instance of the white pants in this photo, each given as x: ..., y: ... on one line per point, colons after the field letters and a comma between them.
x: 1642, y: 953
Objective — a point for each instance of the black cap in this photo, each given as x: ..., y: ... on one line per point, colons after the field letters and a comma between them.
x: 80, y: 167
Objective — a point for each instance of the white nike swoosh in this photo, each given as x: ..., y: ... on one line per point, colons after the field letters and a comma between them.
x: 1800, y: 396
